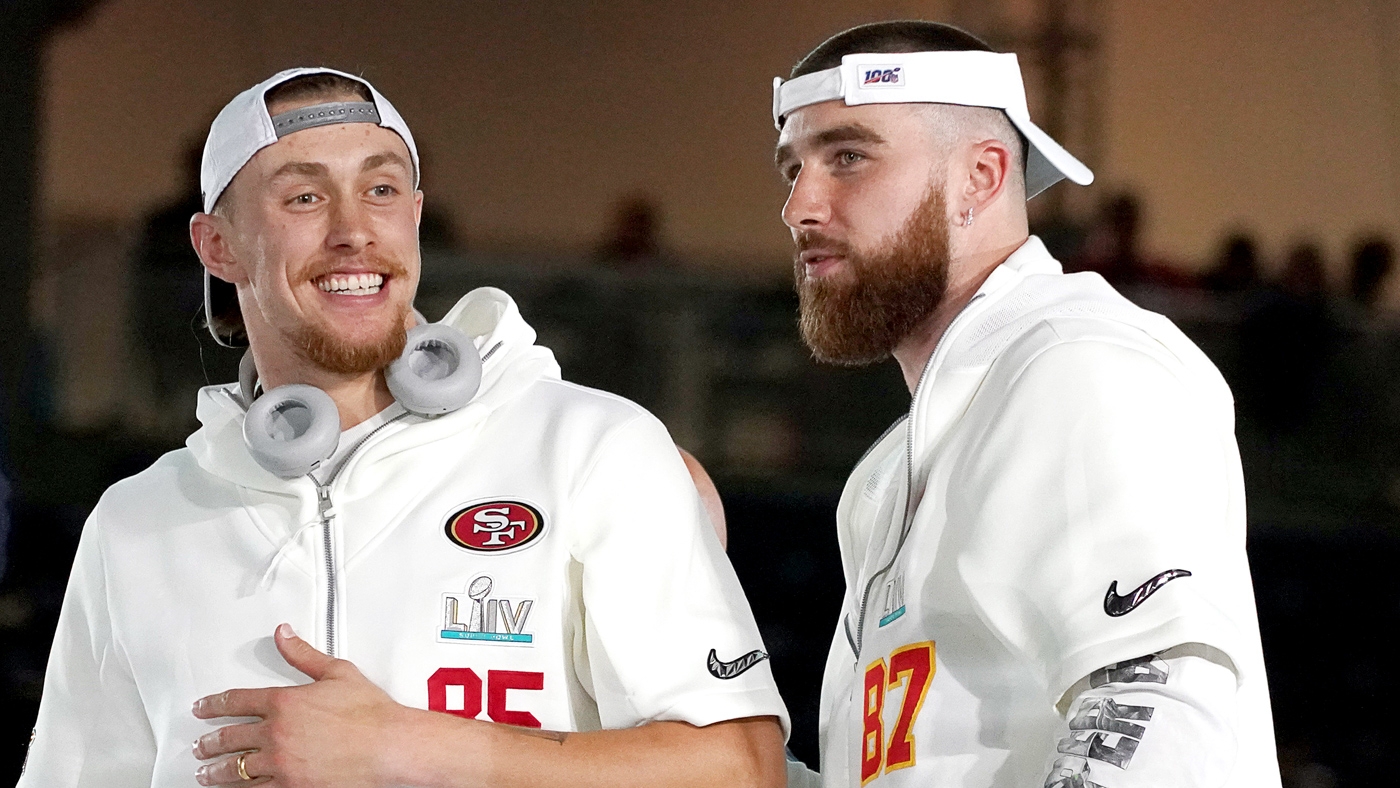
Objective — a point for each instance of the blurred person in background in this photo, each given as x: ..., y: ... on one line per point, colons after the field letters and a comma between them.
x: 1046, y: 581
x: 1237, y: 268
x: 169, y: 300
x: 1356, y: 385
x: 1286, y: 340
x: 633, y: 240
x: 1372, y: 260
x: 506, y: 545
x: 1114, y: 250
x: 436, y: 231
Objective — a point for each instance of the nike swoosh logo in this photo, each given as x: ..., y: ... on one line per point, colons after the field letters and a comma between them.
x: 728, y: 670
x: 1116, y: 605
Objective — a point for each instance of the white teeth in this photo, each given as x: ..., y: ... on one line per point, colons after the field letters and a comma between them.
x: 352, y: 284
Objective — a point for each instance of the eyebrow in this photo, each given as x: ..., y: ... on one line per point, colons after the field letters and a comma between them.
x: 307, y: 168
x: 851, y: 132
x: 381, y: 159
x: 317, y: 170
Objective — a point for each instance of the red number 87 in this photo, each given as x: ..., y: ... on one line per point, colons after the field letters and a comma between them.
x: 912, y: 667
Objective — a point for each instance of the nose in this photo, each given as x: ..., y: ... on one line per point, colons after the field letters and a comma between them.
x: 350, y: 228
x: 808, y: 205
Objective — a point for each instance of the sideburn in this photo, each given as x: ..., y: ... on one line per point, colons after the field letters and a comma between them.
x: 859, y: 319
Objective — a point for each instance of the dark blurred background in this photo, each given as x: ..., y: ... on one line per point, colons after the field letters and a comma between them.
x: 609, y: 166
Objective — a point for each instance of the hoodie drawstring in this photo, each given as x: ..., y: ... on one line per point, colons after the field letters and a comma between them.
x: 293, y: 540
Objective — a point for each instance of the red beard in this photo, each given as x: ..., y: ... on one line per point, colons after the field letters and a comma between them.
x: 334, y: 353
x: 860, y: 318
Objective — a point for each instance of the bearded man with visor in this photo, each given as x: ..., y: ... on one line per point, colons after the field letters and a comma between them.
x: 502, y: 579
x: 1046, y: 581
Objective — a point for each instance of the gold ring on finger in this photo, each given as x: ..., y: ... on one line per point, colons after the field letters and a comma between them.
x: 243, y: 768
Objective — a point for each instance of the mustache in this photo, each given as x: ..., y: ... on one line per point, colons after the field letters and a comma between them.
x: 814, y: 239
x: 378, y: 263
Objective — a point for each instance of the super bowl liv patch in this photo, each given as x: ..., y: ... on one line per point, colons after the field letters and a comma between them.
x: 478, y: 617
x: 893, y: 609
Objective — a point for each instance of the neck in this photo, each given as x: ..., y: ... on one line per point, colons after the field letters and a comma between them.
x: 966, y: 273
x: 357, y: 397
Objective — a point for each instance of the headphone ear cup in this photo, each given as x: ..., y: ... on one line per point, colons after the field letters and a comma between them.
x: 292, y: 429
x: 438, y: 372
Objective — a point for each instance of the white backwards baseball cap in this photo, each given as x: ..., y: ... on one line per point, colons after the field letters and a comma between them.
x: 244, y: 127
x: 968, y: 78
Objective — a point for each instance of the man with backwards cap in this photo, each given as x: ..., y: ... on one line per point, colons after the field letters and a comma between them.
x: 480, y: 566
x: 1046, y: 580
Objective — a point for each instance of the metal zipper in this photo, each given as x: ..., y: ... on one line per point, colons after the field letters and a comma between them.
x: 882, y: 437
x: 327, y: 515
x: 323, y: 495
x: 909, y: 481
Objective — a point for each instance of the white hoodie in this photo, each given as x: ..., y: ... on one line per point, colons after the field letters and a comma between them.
x: 1061, y: 442
x: 539, y: 557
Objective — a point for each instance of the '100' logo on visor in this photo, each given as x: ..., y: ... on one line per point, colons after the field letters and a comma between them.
x: 882, y: 77
x: 495, y: 526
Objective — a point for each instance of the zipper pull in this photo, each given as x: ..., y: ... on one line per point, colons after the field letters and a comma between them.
x: 323, y: 499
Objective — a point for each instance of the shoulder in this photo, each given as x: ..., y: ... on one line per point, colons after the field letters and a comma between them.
x: 173, y: 489
x: 1074, y: 333
x: 155, y: 483
x: 562, y: 396
x: 568, y: 411
x: 577, y: 426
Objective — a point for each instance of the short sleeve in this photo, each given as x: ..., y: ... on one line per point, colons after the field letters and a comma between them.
x: 669, y: 632
x: 1108, y: 515
x: 92, y: 728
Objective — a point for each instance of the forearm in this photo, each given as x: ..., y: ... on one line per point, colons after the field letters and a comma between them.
x: 441, y: 751
x: 1169, y: 719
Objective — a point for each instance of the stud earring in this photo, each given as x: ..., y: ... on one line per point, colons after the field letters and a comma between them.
x: 968, y: 222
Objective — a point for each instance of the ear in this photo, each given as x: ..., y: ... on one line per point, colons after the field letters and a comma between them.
x: 210, y: 235
x: 417, y: 208
x: 989, y: 169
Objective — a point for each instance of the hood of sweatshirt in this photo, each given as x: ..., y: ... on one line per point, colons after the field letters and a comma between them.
x: 513, y: 362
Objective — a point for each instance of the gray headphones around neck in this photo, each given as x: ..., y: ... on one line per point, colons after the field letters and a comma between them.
x: 292, y: 429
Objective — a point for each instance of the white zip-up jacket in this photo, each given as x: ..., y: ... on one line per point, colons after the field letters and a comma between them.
x: 1068, y: 459
x: 539, y: 557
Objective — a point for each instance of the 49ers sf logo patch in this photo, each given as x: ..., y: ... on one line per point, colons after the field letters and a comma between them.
x: 495, y: 526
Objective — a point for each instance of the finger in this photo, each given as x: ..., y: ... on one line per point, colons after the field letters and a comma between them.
x: 302, y: 655
x: 230, y: 738
x: 225, y: 772
x: 233, y: 703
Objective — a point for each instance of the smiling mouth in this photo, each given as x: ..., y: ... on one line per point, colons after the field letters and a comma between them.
x: 351, y: 284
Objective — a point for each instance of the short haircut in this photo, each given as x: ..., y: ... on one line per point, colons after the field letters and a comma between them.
x: 913, y: 35
x: 316, y: 86
x: 905, y: 35
x: 227, y: 318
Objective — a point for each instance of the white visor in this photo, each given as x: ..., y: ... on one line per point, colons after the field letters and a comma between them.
x: 967, y: 78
